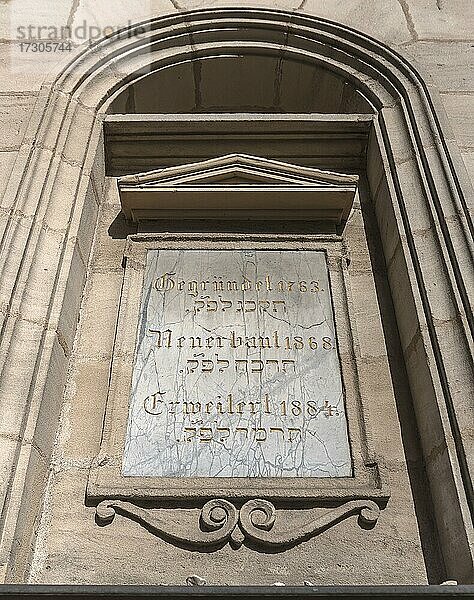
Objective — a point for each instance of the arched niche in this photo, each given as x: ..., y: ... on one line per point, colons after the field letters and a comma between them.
x: 257, y: 83
x: 416, y: 182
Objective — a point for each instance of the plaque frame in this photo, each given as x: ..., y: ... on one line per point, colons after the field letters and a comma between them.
x: 105, y: 481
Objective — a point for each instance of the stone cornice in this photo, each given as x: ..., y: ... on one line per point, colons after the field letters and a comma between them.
x: 238, y: 186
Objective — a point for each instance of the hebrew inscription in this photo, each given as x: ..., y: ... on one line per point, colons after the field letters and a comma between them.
x: 236, y: 371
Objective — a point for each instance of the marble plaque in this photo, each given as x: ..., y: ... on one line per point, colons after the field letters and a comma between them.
x: 236, y: 370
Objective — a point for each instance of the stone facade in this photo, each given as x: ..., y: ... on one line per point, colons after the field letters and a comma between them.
x: 300, y: 84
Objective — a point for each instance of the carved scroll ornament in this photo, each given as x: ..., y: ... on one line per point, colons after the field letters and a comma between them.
x: 221, y: 522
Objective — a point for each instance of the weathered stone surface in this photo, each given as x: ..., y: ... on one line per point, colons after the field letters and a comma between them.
x: 236, y: 370
x: 459, y: 108
x: 168, y: 97
x: 84, y: 401
x: 49, y: 15
x: 7, y: 160
x: 440, y: 19
x: 103, y: 294
x: 15, y: 110
x: 338, y: 556
x: 23, y: 70
x: 101, y: 18
x: 391, y: 23
x: 468, y: 158
x: 451, y: 64
x: 259, y: 90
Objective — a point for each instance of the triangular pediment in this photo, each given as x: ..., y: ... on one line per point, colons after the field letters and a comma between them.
x: 237, y: 169
x: 238, y: 186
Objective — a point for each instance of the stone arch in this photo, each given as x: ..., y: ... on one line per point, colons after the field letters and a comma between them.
x: 419, y: 191
x: 250, y: 82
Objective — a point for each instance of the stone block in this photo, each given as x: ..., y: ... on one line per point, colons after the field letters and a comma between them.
x: 92, y: 19
x: 111, y: 239
x: 69, y: 315
x: 401, y: 145
x: 52, y: 398
x: 42, y: 276
x: 173, y: 91
x: 413, y: 196
x: 58, y: 215
x: 375, y: 162
x: 4, y: 222
x: 367, y: 325
x: 21, y: 70
x: 468, y: 158
x: 459, y: 108
x: 442, y: 302
x: 15, y: 386
x: 450, y: 64
x: 7, y: 160
x: 87, y: 224
x: 463, y: 173
x: 15, y: 111
x: 441, y: 19
x: 378, y: 401
x: 403, y: 298
x: 98, y: 168
x: 451, y: 335
x: 54, y: 121
x: 307, y: 88
x: 223, y: 84
x: 42, y: 20
x: 386, y: 213
x: 67, y: 484
x: 363, y: 240
x: 9, y: 447
x: 452, y: 209
x: 32, y: 470
x: 25, y: 192
x: 355, y: 234
x: 86, y: 394
x: 417, y: 359
x: 99, y: 314
x: 79, y: 136
x: 387, y: 20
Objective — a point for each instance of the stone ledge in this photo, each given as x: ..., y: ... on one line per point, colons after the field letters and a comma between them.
x: 99, y: 592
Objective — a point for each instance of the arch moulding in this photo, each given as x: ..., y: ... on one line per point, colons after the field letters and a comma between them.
x: 419, y: 191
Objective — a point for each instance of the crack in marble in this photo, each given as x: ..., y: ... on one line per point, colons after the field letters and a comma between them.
x: 272, y: 408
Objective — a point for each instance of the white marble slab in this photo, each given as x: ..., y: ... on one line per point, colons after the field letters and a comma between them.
x: 237, y: 371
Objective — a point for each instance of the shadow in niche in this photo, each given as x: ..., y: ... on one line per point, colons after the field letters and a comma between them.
x: 120, y: 228
x: 410, y: 437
